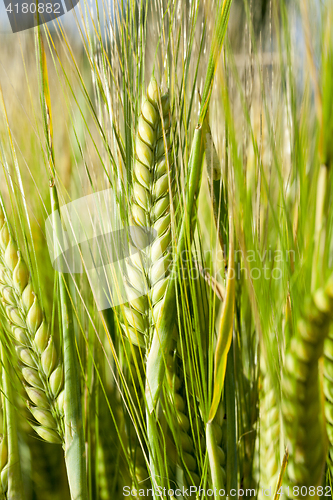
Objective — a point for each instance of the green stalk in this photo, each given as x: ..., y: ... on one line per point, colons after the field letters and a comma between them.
x: 15, y: 484
x: 74, y: 445
x: 215, y: 467
x: 224, y: 338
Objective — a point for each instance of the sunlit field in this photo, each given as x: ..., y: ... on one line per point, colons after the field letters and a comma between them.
x: 166, y: 252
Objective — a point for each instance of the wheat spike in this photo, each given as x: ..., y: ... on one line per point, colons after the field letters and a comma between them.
x: 328, y: 390
x: 41, y: 370
x: 150, y: 211
x: 301, y: 402
x: 269, y: 433
x: 188, y: 460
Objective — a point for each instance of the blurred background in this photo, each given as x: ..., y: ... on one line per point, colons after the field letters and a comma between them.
x: 74, y: 61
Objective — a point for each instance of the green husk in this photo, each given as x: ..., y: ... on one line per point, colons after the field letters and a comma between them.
x: 225, y: 331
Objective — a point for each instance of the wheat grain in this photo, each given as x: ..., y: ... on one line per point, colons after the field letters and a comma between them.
x: 41, y: 370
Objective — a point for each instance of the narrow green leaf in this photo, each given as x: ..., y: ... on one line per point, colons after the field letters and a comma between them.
x: 225, y: 331
x: 220, y: 31
x: 217, y: 185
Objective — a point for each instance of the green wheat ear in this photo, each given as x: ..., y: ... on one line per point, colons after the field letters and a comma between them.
x: 269, y: 433
x: 328, y: 391
x: 40, y: 367
x: 147, y: 274
x: 301, y: 400
x: 181, y: 422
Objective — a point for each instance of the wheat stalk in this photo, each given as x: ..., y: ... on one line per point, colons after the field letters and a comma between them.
x: 40, y: 367
x: 150, y: 211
